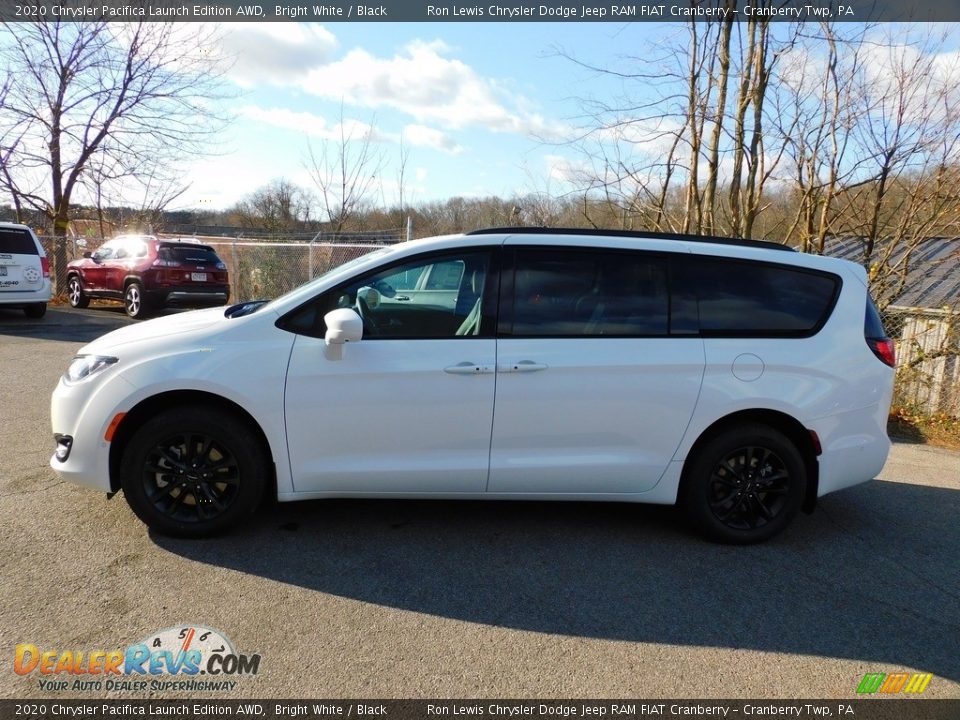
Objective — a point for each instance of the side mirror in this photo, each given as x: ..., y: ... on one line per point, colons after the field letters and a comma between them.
x: 343, y: 326
x: 88, y: 254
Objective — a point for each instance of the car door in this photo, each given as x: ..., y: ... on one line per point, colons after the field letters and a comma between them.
x: 593, y: 392
x: 408, y: 409
x: 116, y: 268
x: 95, y: 270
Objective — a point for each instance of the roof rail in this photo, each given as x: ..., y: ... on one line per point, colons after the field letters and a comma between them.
x: 644, y: 234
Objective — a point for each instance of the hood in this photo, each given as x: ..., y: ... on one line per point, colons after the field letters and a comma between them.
x: 164, y: 327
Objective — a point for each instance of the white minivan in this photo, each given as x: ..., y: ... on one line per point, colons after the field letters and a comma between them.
x: 24, y: 270
x: 737, y: 378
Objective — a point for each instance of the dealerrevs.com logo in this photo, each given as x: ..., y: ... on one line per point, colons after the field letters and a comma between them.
x: 187, y: 657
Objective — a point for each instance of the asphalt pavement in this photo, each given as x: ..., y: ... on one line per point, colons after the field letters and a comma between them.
x: 469, y: 599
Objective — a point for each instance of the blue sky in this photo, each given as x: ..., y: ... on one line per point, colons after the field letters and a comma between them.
x: 478, y: 105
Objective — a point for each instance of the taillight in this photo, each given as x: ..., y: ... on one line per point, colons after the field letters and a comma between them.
x: 165, y: 263
x: 45, y: 266
x: 884, y: 349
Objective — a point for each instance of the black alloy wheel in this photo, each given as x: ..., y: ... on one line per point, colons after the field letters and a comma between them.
x: 749, y: 488
x: 190, y: 477
x: 744, y: 485
x: 194, y: 471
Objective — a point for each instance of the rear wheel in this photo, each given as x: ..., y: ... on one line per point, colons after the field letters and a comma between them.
x: 193, y: 472
x: 133, y: 300
x: 35, y: 310
x: 75, y: 294
x: 745, y: 485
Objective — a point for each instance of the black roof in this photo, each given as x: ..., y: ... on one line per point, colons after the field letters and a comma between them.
x: 642, y: 234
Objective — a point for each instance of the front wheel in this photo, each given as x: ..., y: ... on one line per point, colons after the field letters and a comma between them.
x: 133, y: 300
x: 193, y: 472
x: 78, y: 298
x: 745, y: 485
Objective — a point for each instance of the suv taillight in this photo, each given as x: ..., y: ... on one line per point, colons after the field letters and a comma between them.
x: 165, y: 263
x: 45, y: 266
x: 884, y: 349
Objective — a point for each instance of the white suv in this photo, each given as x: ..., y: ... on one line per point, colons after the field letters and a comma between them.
x: 738, y: 378
x: 24, y: 270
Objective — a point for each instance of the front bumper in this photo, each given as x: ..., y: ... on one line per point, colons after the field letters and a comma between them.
x: 80, y: 415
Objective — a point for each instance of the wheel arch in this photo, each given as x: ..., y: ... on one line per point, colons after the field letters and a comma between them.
x: 148, y: 407
x: 792, y: 428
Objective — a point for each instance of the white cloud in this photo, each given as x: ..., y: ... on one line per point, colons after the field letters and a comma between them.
x: 423, y: 136
x: 314, y: 125
x: 565, y: 170
x: 422, y: 81
x: 281, y: 53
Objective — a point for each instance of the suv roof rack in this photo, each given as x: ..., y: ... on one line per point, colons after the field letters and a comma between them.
x: 644, y: 234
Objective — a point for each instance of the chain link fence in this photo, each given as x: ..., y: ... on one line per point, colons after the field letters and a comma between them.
x: 928, y: 359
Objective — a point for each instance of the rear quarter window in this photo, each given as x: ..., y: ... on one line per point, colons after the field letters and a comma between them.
x: 17, y: 242
x: 744, y: 298
x: 873, y: 322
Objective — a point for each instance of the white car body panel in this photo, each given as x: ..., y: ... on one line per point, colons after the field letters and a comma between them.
x: 543, y: 441
x: 393, y: 420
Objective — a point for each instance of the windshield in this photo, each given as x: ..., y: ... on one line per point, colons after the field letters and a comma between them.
x: 344, y: 268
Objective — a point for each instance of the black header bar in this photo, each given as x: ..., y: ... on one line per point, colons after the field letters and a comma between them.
x: 886, y: 708
x: 330, y: 11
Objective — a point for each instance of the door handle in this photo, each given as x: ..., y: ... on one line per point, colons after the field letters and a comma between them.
x: 468, y: 368
x: 401, y: 298
x: 522, y: 366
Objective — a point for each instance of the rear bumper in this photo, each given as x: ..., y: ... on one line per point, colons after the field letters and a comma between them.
x: 855, y: 447
x: 26, y: 297
x: 190, y: 295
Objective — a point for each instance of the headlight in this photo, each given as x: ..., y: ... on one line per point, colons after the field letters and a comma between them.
x: 83, y: 366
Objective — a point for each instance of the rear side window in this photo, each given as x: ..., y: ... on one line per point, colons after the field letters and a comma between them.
x: 17, y: 242
x: 569, y: 293
x: 445, y: 276
x: 742, y: 298
x: 188, y: 254
x: 873, y: 323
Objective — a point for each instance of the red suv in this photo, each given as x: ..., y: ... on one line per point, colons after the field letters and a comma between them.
x: 145, y: 273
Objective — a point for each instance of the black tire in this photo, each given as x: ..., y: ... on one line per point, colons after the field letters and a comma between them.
x: 75, y: 293
x: 193, y: 472
x: 134, y: 301
x: 744, y: 486
x: 35, y: 310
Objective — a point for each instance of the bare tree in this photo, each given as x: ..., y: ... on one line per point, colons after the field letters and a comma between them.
x: 345, y: 171
x: 137, y: 94
x: 279, y: 206
x: 403, y: 199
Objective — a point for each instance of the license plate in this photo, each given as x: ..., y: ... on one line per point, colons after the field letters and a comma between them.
x: 3, y: 270
x: 198, y: 277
